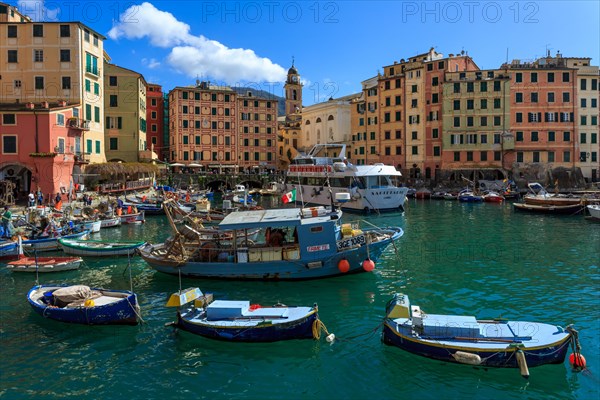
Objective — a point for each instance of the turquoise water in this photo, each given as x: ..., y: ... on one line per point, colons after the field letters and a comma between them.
x: 474, y: 259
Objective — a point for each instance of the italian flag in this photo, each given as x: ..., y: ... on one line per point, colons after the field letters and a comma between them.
x: 289, y: 196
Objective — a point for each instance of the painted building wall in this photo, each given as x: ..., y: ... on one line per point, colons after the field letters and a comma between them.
x: 155, y: 120
x: 125, y: 109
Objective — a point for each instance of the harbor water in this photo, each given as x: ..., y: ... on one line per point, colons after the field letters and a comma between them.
x: 484, y: 260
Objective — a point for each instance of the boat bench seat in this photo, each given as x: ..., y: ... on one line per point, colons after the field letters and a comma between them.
x: 267, y: 312
x: 450, y: 326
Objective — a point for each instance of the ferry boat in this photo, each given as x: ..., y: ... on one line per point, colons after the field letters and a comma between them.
x: 324, y: 172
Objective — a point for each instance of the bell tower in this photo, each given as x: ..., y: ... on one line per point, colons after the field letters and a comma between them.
x: 293, y: 92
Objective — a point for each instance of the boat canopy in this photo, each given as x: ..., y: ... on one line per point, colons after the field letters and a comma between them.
x: 268, y: 218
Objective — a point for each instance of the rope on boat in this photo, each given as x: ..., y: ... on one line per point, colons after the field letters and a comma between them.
x: 576, y: 347
x: 317, y: 327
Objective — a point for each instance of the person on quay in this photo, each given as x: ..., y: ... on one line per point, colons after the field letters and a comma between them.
x: 6, y: 222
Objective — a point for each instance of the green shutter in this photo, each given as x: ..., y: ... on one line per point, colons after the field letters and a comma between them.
x: 88, y: 112
x: 96, y: 114
x: 97, y: 147
x: 119, y: 122
x: 88, y: 146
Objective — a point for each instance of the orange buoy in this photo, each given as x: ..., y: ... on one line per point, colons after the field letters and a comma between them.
x: 577, y: 361
x: 344, y: 266
x: 368, y: 265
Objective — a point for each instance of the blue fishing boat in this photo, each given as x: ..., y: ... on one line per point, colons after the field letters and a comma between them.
x: 10, y: 250
x: 240, y: 321
x: 467, y: 196
x: 80, y: 304
x: 466, y: 340
x: 147, y: 208
x: 294, y: 244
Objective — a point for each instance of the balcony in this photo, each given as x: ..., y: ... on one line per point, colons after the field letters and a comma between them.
x: 81, y: 158
x: 78, y: 123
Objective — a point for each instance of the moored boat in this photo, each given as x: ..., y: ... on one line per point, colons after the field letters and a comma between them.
x: 305, y: 243
x: 570, y: 209
x: 50, y: 242
x: 539, y: 196
x: 99, y: 248
x: 82, y: 305
x: 10, y: 250
x: 464, y: 339
x: 467, y: 196
x: 594, y: 210
x: 326, y: 169
x: 110, y: 222
x: 135, y: 218
x: 239, y: 321
x: 44, y: 264
x: 493, y: 197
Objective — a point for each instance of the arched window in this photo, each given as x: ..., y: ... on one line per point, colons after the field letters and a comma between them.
x: 307, y: 122
x: 294, y: 95
x: 318, y: 120
x: 330, y: 118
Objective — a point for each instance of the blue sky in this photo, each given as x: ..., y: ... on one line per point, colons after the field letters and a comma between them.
x: 335, y: 44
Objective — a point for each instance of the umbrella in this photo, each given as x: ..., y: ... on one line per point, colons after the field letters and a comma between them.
x: 177, y: 165
x: 195, y: 165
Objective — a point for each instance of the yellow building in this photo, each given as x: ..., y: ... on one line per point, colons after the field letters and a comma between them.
x: 364, y: 124
x: 51, y: 62
x: 328, y: 122
x: 290, y: 127
x: 125, y: 112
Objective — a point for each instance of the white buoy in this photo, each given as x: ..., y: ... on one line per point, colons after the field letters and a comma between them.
x: 467, y: 358
x: 522, y: 364
x: 330, y: 338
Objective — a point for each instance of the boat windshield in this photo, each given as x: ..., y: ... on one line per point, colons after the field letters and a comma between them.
x: 379, y: 181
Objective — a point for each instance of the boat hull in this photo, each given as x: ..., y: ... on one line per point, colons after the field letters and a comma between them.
x: 85, y: 249
x: 122, y: 312
x: 51, y: 243
x: 502, y: 356
x: 549, y: 209
x: 594, y: 211
x: 137, y: 218
x: 110, y: 222
x: 45, y: 264
x: 266, y: 331
x: 270, y: 270
x: 9, y: 251
x: 385, y: 199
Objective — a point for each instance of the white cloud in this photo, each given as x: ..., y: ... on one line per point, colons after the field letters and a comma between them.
x: 37, y: 11
x: 194, y: 55
x: 151, y: 63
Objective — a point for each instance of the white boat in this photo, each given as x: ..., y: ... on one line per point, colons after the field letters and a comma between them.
x: 594, y: 210
x: 110, y: 222
x: 92, y: 226
x: 325, y: 169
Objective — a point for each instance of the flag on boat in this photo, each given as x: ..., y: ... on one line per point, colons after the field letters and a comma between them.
x: 289, y: 196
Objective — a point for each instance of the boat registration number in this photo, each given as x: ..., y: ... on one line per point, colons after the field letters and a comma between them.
x: 351, y: 242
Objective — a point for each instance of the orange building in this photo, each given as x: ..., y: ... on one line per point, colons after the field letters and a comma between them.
x: 221, y: 129
x: 155, y: 114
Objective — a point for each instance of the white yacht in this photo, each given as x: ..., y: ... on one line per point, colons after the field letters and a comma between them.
x: 325, y: 167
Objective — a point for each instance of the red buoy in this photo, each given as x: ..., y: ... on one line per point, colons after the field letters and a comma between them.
x: 344, y: 266
x: 368, y: 265
x: 577, y: 361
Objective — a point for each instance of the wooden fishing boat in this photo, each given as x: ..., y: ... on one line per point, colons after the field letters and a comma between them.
x: 239, y: 321
x: 308, y: 243
x: 110, y: 222
x: 464, y: 339
x: 91, y: 226
x: 147, y: 208
x: 98, y: 248
x: 44, y: 264
x: 135, y: 218
x: 10, y: 250
x: 571, y: 209
x: 50, y: 242
x: 80, y: 304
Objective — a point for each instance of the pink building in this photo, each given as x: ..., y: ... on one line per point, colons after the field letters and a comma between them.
x: 41, y: 146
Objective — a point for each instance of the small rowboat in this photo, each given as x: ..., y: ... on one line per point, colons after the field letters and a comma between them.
x: 594, y: 210
x: 571, y: 209
x: 81, y: 305
x: 50, y: 243
x: 44, y: 264
x: 466, y: 340
x: 239, y: 321
x: 98, y: 248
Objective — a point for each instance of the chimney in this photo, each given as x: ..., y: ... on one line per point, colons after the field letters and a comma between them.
x: 62, y: 103
x: 29, y: 105
x: 45, y: 104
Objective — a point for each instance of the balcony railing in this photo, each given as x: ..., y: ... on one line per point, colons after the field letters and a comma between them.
x: 78, y: 123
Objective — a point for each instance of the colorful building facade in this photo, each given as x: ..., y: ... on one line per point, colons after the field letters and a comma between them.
x: 155, y: 116
x: 125, y: 111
